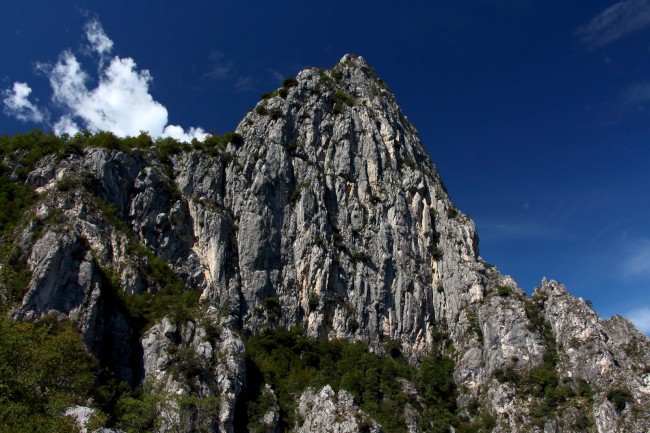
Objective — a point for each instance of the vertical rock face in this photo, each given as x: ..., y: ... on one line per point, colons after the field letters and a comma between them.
x: 324, y: 212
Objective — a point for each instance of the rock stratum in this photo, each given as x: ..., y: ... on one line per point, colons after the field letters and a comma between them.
x: 322, y: 213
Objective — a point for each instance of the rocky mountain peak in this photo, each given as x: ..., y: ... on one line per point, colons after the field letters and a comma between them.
x: 323, y: 213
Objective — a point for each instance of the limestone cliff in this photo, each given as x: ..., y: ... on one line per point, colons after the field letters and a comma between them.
x: 325, y: 212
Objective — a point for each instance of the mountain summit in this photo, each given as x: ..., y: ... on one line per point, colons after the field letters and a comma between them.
x: 225, y: 281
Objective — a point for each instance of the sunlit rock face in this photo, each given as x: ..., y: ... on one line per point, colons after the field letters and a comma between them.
x: 325, y: 212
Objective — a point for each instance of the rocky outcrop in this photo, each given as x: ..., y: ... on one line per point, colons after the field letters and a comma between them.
x: 329, y: 412
x: 612, y: 356
x: 323, y: 212
x: 198, y: 368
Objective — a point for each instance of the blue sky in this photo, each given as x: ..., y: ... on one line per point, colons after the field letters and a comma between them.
x: 537, y: 114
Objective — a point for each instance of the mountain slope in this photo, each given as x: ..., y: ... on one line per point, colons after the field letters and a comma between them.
x: 323, y: 212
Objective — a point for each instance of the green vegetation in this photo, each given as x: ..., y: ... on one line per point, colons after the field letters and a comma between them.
x: 474, y: 326
x: 295, y: 195
x: 290, y: 362
x: 275, y: 113
x: 289, y: 82
x: 504, y: 291
x: 620, y: 397
x: 216, y: 145
x: 361, y: 257
x: 142, y: 409
x: 261, y: 109
x: 313, y: 301
x: 272, y: 307
x: 14, y: 200
x: 44, y: 368
x: 14, y: 275
x: 341, y: 99
x: 408, y: 162
x: 25, y: 150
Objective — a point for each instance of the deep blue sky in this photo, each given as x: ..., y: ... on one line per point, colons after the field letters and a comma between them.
x: 536, y: 113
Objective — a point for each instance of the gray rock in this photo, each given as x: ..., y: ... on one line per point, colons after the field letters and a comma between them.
x: 329, y: 412
x: 81, y: 415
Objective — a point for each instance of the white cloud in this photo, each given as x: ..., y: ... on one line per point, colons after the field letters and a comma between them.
x: 615, y: 22
x: 223, y: 69
x: 18, y: 105
x: 66, y: 125
x: 175, y: 131
x: 220, y: 68
x: 276, y: 76
x: 67, y: 79
x: 637, y: 261
x: 120, y: 103
x: 641, y: 318
x: 99, y: 42
x: 636, y: 95
x: 243, y: 83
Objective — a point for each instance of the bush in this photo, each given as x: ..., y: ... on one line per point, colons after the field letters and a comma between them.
x: 340, y: 99
x: 452, y: 212
x: 234, y: 138
x: 503, y: 291
x: 474, y: 326
x: 289, y: 82
x: 313, y: 301
x: 620, y: 397
x: 275, y: 113
x: 509, y: 374
x: 361, y: 257
x: 295, y: 195
x: 272, y: 307
x: 104, y: 139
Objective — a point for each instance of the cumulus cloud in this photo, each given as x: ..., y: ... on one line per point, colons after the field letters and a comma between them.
x: 120, y: 102
x: 615, y: 22
x: 17, y: 104
x: 641, y: 318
